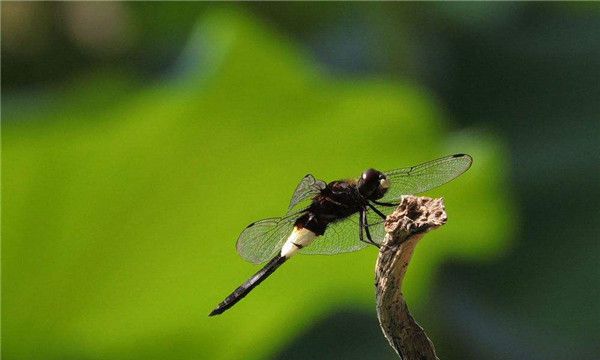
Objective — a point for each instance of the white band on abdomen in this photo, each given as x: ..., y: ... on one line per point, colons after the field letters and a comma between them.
x: 298, y: 239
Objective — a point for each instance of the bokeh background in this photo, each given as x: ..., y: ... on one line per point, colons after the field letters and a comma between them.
x: 138, y: 139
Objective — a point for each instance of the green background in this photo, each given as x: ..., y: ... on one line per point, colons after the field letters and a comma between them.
x: 138, y: 139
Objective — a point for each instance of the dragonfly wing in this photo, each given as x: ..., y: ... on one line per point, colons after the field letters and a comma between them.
x: 261, y: 240
x: 343, y: 236
x: 340, y: 237
x: 426, y: 176
x: 306, y: 189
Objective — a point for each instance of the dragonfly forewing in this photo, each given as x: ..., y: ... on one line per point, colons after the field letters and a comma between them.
x: 424, y: 177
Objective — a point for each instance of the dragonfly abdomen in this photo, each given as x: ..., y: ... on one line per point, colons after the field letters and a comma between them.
x: 243, y: 290
x: 299, y: 238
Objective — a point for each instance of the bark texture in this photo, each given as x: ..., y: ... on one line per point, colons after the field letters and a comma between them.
x: 411, y: 220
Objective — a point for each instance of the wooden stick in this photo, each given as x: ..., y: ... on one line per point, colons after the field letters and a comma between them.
x: 414, y: 217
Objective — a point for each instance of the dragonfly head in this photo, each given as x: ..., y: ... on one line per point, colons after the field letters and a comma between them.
x: 373, y: 184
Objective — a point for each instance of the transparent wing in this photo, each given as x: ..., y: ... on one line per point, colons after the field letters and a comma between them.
x: 340, y: 237
x: 423, y: 177
x: 343, y: 236
x: 306, y: 189
x: 261, y: 240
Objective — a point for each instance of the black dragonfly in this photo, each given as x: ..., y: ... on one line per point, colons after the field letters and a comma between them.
x: 342, y: 216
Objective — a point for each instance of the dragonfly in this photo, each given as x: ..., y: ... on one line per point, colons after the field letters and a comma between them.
x: 337, y: 217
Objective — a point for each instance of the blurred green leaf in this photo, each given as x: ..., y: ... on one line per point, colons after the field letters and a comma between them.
x: 120, y: 220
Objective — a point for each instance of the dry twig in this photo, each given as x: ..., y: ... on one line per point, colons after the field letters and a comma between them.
x: 405, y: 227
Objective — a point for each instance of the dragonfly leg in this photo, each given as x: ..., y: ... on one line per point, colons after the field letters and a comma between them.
x: 382, y: 215
x: 365, y: 222
x: 361, y: 227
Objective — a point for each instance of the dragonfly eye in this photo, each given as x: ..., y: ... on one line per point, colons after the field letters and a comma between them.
x: 369, y: 182
x: 370, y: 176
